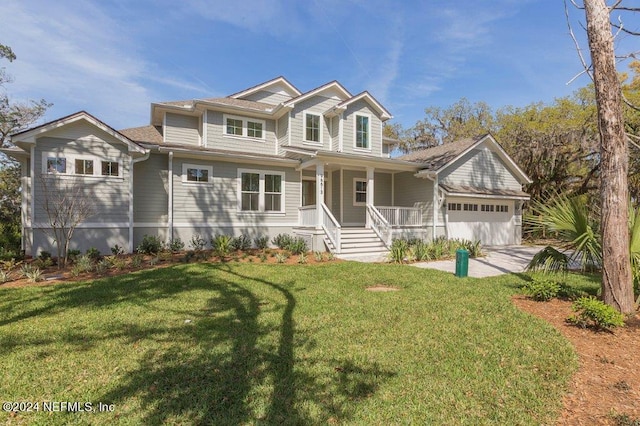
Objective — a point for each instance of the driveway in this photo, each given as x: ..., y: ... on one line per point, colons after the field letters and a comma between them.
x: 498, y: 261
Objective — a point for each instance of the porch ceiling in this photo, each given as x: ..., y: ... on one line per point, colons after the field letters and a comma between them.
x: 335, y: 160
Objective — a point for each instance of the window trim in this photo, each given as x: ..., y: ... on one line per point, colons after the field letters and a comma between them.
x: 245, y: 127
x: 208, y: 168
x: 304, y: 128
x: 355, y: 132
x: 71, y: 165
x: 110, y: 161
x: 262, y: 191
x: 359, y: 203
x: 84, y: 160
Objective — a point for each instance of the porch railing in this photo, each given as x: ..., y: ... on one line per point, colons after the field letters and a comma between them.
x: 379, y: 224
x: 331, y: 227
x: 401, y: 216
x: 307, y: 215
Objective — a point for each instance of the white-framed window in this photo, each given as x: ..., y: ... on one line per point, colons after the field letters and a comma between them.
x: 83, y: 166
x: 260, y: 191
x: 110, y: 168
x: 55, y: 164
x: 312, y: 127
x: 245, y: 127
x: 196, y: 173
x: 359, y: 192
x: 362, y: 131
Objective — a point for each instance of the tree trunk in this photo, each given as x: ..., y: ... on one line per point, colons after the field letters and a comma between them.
x: 617, y: 284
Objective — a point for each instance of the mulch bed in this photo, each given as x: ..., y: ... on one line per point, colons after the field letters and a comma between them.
x: 606, y: 388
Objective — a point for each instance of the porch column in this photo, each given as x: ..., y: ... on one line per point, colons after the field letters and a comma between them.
x: 319, y: 193
x: 370, y: 191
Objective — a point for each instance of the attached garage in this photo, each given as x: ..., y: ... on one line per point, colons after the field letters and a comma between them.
x: 492, y: 221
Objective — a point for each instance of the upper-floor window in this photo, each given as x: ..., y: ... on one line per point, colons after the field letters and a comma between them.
x: 244, y: 127
x: 84, y: 167
x: 260, y: 191
x: 56, y: 165
x: 110, y: 168
x: 196, y: 173
x: 312, y: 127
x: 363, y: 131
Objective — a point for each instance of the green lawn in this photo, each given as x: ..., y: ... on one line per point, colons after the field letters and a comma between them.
x: 282, y: 344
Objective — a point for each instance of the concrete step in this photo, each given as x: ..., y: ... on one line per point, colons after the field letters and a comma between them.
x: 356, y: 244
x: 367, y: 250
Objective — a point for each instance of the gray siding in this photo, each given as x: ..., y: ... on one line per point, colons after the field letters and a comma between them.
x: 283, y: 132
x: 317, y: 105
x: 415, y: 192
x: 335, y: 194
x: 150, y: 190
x: 216, y: 202
x: 217, y: 139
x: 480, y: 168
x: 352, y: 215
x: 182, y: 129
x: 349, y: 122
x: 382, y: 189
x: 109, y: 195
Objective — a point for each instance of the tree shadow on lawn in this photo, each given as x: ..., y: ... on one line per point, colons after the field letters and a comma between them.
x: 228, y: 374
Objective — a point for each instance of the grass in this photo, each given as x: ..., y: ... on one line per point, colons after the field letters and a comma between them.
x: 282, y: 344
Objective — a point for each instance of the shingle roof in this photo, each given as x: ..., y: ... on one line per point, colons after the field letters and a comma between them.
x: 464, y: 189
x: 438, y: 156
x: 152, y: 134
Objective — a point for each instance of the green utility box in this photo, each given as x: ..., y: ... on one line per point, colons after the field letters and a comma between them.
x: 462, y: 263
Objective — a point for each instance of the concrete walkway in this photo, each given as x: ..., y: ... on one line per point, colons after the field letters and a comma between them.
x: 498, y: 261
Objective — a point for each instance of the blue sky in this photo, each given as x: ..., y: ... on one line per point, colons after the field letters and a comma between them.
x: 113, y: 58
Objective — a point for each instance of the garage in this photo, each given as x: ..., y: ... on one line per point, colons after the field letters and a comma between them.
x: 492, y: 221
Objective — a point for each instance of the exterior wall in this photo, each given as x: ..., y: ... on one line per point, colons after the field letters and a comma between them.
x: 410, y: 191
x: 480, y: 168
x: 283, y: 133
x: 83, y: 239
x: 349, y: 124
x: 217, y: 139
x: 151, y: 190
x: 335, y: 194
x: 274, y: 96
x: 317, y: 105
x: 182, y: 129
x: 352, y: 215
x: 382, y: 189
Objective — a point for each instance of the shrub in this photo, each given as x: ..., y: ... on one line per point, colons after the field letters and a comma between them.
x: 119, y: 263
x: 331, y: 256
x: 175, y: 245
x: 26, y: 269
x: 541, y: 289
x: 241, y: 242
x: 150, y: 244
x: 303, y: 258
x: 398, y: 251
x: 34, y: 275
x: 103, y: 266
x: 9, y: 264
x: 4, y: 276
x: 571, y: 293
x: 421, y: 251
x: 93, y: 253
x: 473, y: 247
x: 84, y: 263
x: 73, y: 255
x: 136, y: 261
x: 8, y: 254
x: 198, y: 243
x: 221, y: 245
x: 263, y: 257
x: 44, y: 255
x: 261, y: 242
x: 282, y: 241
x: 297, y: 246
x: 590, y: 311
x: 281, y: 257
x: 116, y: 250
x: 319, y: 256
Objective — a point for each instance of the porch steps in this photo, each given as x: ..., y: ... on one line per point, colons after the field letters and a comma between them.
x: 359, y: 242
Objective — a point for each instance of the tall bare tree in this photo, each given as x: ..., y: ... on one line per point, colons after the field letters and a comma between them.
x: 617, y: 284
x: 66, y: 205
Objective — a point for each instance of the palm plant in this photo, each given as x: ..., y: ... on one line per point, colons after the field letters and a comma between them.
x: 575, y: 228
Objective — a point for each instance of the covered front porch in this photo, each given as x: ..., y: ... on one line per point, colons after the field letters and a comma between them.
x: 362, y: 204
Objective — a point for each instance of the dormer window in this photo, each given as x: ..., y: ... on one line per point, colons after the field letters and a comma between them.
x: 312, y: 127
x: 363, y: 132
x: 244, y: 127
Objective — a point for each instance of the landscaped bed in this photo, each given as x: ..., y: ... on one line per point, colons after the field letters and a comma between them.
x: 234, y: 343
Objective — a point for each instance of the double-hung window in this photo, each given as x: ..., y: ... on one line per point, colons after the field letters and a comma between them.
x: 244, y: 127
x: 312, y: 129
x: 84, y: 167
x: 359, y: 192
x: 363, y: 131
x: 261, y: 191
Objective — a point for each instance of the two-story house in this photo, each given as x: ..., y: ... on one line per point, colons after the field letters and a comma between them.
x: 264, y: 161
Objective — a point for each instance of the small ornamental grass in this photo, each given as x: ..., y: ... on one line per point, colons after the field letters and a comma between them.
x: 591, y: 312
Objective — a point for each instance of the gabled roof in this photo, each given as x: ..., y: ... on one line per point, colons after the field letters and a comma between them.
x: 472, y: 191
x: 150, y: 134
x: 440, y: 157
x: 28, y: 136
x: 293, y: 91
x: 328, y: 86
x: 367, y: 97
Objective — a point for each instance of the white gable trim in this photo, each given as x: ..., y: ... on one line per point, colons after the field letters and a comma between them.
x: 384, y: 114
x: 333, y: 85
x: 279, y: 80
x: 499, y: 150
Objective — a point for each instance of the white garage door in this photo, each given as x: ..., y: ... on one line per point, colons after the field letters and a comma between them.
x: 490, y: 221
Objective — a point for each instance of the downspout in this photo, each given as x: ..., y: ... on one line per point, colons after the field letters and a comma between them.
x: 170, y: 206
x: 131, y: 163
x: 434, y: 222
x: 32, y: 198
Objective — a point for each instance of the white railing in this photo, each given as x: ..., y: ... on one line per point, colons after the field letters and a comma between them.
x: 379, y: 224
x: 331, y: 227
x: 307, y: 216
x: 401, y: 216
